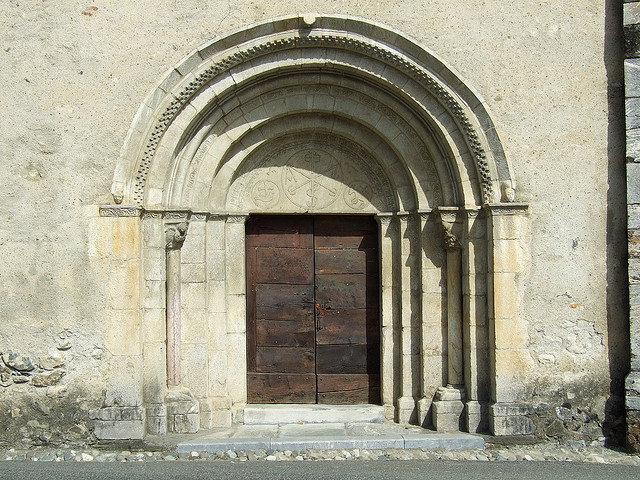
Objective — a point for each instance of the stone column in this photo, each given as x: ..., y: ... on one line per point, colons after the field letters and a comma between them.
x: 387, y: 234
x: 183, y: 413
x: 510, y: 360
x: 475, y: 322
x: 632, y: 101
x: 449, y: 402
x: 409, y: 260
x: 432, y: 334
x: 175, y: 236
x: 236, y: 308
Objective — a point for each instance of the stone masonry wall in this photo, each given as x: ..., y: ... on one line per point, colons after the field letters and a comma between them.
x: 632, y: 94
x: 75, y: 74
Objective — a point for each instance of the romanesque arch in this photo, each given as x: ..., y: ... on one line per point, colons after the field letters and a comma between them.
x: 312, y: 116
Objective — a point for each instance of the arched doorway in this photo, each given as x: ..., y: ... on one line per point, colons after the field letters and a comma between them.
x: 317, y: 116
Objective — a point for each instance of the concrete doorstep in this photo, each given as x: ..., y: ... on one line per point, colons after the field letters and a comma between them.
x: 327, y: 436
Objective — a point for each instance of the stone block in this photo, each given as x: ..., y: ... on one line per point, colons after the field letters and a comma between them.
x: 633, y: 182
x: 510, y: 419
x: 193, y: 273
x: 631, y: 13
x: 216, y: 292
x: 124, y: 285
x: 509, y: 256
x: 124, y: 385
x: 632, y: 77
x: 153, y: 236
x: 447, y: 415
x: 216, y: 265
x: 509, y: 227
x: 194, y: 296
x: 218, y: 372
x: 119, y: 430
x: 193, y: 326
x: 511, y: 333
x: 153, y: 325
x: 117, y: 414
x: 189, y: 423
x: 154, y: 371
x: 505, y: 301
x: 154, y: 294
x: 236, y: 313
x: 195, y: 366
x: 193, y: 248
x: 477, y: 416
x: 123, y: 332
x: 156, y: 425
x: 154, y: 264
x: 632, y: 113
x: 633, y: 152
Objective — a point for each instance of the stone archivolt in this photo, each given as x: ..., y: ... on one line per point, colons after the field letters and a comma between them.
x: 346, y: 117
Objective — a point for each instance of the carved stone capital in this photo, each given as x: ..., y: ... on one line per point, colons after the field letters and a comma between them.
x: 175, y: 235
x: 451, y: 224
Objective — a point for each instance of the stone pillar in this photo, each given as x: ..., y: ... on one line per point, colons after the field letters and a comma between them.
x: 449, y: 402
x: 632, y: 94
x: 175, y: 235
x: 475, y: 322
x: 410, y: 304
x: 387, y: 235
x: 216, y: 261
x: 183, y: 414
x: 510, y: 360
x: 236, y: 308
x: 115, y: 247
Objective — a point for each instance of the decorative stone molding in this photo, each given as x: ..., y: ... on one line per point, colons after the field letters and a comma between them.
x: 120, y: 210
x: 451, y: 224
x: 357, y: 39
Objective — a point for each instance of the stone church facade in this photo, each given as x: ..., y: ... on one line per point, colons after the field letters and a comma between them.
x: 317, y: 208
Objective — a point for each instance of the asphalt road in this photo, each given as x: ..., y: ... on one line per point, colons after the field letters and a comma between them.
x: 387, y: 470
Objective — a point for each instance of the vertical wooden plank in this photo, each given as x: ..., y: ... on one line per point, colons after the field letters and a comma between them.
x: 280, y: 326
x: 347, y: 310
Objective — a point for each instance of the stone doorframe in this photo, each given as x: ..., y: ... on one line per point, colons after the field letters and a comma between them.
x: 322, y: 115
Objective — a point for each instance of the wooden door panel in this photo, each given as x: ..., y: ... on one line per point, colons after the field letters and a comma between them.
x: 341, y: 359
x: 313, y: 315
x: 353, y: 325
x: 284, y: 265
x: 346, y: 290
x: 281, y: 388
x: 285, y: 360
x: 275, y: 333
x: 283, y: 302
x: 340, y: 261
x: 348, y: 389
x: 287, y: 232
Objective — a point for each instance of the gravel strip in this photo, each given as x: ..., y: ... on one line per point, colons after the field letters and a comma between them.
x: 572, y: 452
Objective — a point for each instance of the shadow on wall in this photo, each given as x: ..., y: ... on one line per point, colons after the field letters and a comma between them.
x: 614, y: 425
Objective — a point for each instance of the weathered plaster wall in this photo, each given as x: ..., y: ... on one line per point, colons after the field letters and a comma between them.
x: 75, y: 75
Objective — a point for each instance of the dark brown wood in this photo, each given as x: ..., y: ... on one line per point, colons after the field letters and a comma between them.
x: 348, y: 389
x: 281, y: 388
x: 280, y: 309
x: 312, y: 304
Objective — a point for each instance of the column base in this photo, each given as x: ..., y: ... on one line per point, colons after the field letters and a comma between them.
x: 448, y: 407
x: 407, y: 412
x: 183, y: 411
x: 477, y: 416
x: 511, y: 419
x: 424, y: 415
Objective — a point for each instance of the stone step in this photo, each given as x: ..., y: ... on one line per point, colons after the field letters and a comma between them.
x: 263, y: 414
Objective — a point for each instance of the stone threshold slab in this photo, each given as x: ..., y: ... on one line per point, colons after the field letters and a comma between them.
x: 264, y: 414
x: 446, y: 441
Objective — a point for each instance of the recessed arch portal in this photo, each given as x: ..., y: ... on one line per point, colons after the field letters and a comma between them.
x: 329, y: 116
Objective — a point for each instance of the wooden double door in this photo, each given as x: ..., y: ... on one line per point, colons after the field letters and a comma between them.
x: 313, y: 332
